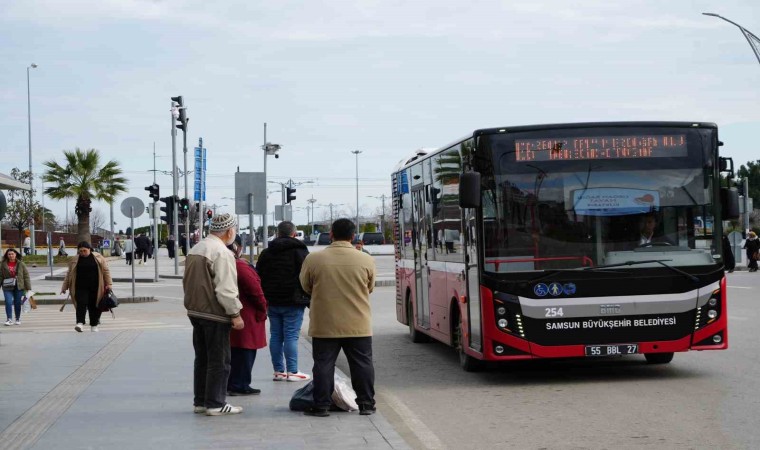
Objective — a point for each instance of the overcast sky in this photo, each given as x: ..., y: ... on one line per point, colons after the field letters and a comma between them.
x: 384, y: 77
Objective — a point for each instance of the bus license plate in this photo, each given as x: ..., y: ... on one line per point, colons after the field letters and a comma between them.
x: 612, y: 350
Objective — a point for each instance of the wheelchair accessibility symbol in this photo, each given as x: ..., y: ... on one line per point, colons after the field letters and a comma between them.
x: 541, y: 289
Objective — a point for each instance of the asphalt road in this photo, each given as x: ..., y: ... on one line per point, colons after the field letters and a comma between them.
x: 700, y: 400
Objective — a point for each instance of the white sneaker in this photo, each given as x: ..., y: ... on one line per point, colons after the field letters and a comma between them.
x: 225, y: 410
x: 9, y: 322
x: 298, y: 376
x: 18, y: 321
x: 79, y: 327
x: 94, y: 329
x: 280, y: 376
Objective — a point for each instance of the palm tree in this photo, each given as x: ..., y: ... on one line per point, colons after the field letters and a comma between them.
x: 83, y: 179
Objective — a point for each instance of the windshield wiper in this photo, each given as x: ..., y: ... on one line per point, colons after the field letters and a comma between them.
x: 658, y: 261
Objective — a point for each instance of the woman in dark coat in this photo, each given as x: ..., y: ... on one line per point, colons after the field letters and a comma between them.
x: 752, y: 245
x: 244, y: 343
x: 88, y: 279
x: 728, y: 255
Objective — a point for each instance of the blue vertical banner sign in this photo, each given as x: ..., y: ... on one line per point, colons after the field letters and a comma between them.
x: 200, y: 156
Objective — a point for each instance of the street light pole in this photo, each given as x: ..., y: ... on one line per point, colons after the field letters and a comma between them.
x: 753, y: 40
x: 175, y: 181
x: 356, y: 152
x: 312, y: 200
x: 29, y: 125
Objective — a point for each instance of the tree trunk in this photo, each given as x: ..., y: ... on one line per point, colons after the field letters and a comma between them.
x: 83, y: 228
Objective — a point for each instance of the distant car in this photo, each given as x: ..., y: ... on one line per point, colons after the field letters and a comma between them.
x: 299, y: 235
x: 372, y: 238
x: 323, y: 239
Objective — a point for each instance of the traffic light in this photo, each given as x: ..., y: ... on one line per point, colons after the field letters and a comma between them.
x: 289, y: 197
x: 182, y: 119
x: 209, y: 214
x: 168, y: 209
x: 184, y: 207
x: 154, y: 191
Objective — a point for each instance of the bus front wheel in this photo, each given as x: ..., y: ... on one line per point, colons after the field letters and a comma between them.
x: 467, y: 362
x: 658, y: 358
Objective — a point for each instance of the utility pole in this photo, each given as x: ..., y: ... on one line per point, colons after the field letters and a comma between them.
x: 382, y: 219
x: 356, y: 152
x: 175, y: 181
x: 311, y: 202
x: 265, y: 232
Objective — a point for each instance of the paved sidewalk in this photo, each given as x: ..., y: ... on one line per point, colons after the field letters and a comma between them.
x: 133, y: 389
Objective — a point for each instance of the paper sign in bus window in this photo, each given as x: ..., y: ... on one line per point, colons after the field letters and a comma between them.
x: 615, y: 201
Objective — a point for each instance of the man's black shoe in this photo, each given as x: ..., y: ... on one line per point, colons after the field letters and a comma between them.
x: 367, y: 410
x: 316, y: 412
x: 248, y: 391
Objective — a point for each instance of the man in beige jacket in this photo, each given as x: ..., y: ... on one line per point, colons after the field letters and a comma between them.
x: 340, y: 279
x: 213, y: 306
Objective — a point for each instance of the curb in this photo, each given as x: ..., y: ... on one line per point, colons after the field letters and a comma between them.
x: 62, y: 300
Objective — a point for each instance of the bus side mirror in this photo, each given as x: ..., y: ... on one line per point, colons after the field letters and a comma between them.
x: 729, y: 203
x: 469, y: 190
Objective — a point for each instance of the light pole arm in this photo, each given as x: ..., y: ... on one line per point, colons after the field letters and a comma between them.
x: 753, y: 40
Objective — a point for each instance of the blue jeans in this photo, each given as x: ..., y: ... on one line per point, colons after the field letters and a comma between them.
x: 13, y: 301
x: 285, y: 327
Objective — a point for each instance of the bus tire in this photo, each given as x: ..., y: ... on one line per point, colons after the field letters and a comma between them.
x: 466, y: 362
x: 658, y: 358
x: 415, y: 335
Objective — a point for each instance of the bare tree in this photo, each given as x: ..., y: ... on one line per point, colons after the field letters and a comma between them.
x: 22, y: 207
x: 97, y: 220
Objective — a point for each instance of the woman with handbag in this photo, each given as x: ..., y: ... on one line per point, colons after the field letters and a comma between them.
x: 16, y: 282
x: 244, y: 343
x: 87, y: 280
x: 752, y: 245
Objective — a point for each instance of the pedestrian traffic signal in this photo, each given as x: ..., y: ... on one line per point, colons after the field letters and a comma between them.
x: 184, y: 207
x: 168, y: 209
x: 209, y: 214
x: 289, y: 197
x: 154, y: 191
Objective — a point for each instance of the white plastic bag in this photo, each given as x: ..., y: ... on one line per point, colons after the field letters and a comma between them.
x: 25, y: 304
x: 343, y: 395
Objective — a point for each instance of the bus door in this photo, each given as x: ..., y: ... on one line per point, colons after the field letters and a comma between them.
x: 472, y: 264
x: 421, y: 270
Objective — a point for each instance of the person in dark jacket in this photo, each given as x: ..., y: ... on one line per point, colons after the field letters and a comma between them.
x: 143, y: 247
x: 279, y: 266
x: 170, y: 246
x: 752, y: 246
x: 728, y: 255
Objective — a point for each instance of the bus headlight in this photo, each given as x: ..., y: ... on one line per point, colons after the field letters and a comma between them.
x: 712, y: 313
x: 501, y: 310
x: 717, y: 339
x: 713, y: 301
x: 499, y: 349
x: 502, y: 323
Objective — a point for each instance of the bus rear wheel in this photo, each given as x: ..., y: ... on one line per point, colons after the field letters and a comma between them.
x: 658, y: 358
x: 466, y: 362
x: 416, y: 336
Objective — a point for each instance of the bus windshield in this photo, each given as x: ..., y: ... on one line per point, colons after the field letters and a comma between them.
x: 588, y: 199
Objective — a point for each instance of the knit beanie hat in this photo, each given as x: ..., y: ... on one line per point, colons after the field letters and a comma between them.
x: 222, y: 222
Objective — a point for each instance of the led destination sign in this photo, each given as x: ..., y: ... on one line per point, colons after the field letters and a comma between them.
x: 600, y: 147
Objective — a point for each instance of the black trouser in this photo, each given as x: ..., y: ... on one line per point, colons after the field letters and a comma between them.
x: 752, y: 265
x: 211, y: 341
x: 241, y: 365
x: 358, y: 352
x: 129, y: 257
x: 87, y: 301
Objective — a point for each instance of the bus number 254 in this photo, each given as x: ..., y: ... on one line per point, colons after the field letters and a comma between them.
x: 554, y: 312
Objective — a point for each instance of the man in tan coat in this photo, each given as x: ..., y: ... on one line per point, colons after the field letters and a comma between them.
x: 340, y: 279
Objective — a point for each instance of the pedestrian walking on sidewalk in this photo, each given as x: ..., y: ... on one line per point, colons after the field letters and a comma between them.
x: 340, y: 280
x: 87, y: 281
x: 211, y: 299
x: 142, y: 248
x: 279, y: 266
x: 16, y: 282
x: 752, y: 245
x: 244, y: 343
x: 728, y: 255
x: 129, y: 251
x: 27, y: 245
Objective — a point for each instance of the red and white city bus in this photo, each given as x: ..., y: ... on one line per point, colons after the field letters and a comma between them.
x: 574, y: 240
